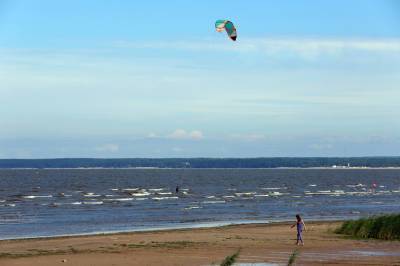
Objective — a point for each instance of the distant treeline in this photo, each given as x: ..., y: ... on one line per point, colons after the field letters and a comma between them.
x: 204, y: 162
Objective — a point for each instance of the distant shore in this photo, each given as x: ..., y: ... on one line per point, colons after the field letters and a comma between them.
x: 215, y: 168
x: 211, y: 163
x: 259, y: 243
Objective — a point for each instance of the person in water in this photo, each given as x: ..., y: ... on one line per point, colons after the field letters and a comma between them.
x: 300, y: 227
x: 177, y: 189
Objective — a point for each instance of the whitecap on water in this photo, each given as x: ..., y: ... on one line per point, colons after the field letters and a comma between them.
x: 327, y: 192
x: 164, y: 198
x: 140, y: 194
x: 193, y: 207
x: 277, y: 193
x: 92, y: 202
x: 34, y: 197
x: 384, y: 192
x: 357, y: 193
x: 91, y: 194
x: 214, y: 201
x: 245, y: 194
x: 131, y: 189
x: 164, y: 193
x: 156, y: 189
x: 273, y: 188
x: 119, y: 199
x: 357, y: 185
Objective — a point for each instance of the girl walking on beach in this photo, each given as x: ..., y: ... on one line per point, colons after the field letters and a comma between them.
x: 300, y: 227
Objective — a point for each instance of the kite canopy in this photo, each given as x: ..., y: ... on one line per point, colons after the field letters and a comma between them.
x: 222, y: 24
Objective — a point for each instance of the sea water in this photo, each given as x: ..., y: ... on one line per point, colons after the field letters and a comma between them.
x: 54, y: 202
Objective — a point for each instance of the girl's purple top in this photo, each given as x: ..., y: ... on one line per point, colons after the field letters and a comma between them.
x: 300, y: 226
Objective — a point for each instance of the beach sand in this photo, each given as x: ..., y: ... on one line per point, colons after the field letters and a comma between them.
x: 259, y: 243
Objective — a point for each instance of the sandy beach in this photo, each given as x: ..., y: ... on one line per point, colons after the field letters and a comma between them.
x: 258, y: 243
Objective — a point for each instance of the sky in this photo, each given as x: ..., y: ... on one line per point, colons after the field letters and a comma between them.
x: 151, y: 79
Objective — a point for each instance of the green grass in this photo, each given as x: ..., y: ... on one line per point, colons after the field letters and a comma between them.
x: 32, y: 253
x: 293, y: 257
x: 44, y: 252
x: 230, y: 260
x: 171, y: 244
x: 386, y: 227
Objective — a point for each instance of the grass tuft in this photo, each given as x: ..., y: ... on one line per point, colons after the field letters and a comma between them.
x: 230, y: 260
x: 293, y: 257
x: 386, y: 227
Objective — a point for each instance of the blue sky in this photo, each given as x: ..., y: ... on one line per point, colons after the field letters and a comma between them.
x: 154, y: 79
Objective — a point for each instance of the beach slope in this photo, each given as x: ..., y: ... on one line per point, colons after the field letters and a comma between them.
x: 259, y: 243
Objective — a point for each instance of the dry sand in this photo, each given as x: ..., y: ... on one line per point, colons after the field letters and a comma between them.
x: 259, y: 243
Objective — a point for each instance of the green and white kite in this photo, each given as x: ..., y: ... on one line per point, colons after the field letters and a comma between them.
x: 222, y: 24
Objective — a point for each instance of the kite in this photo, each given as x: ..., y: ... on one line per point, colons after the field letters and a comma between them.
x: 222, y: 24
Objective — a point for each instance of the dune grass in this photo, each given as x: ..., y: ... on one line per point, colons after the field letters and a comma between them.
x: 293, y: 257
x: 386, y: 227
x: 230, y: 260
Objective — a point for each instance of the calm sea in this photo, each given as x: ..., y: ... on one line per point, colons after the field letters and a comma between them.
x: 50, y: 202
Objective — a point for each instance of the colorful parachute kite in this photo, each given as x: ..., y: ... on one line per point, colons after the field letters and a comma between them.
x: 221, y: 25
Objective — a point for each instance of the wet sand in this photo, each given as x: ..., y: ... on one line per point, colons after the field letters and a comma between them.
x: 258, y: 243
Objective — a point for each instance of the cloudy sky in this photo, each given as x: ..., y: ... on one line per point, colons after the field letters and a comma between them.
x: 154, y: 79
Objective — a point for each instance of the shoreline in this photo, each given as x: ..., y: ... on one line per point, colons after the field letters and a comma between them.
x: 206, y: 168
x: 170, y: 228
x: 265, y: 244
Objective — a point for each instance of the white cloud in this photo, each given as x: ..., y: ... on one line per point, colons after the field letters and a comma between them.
x: 304, y: 47
x: 196, y: 134
x: 108, y: 148
x: 116, y: 91
x: 183, y: 134
x: 178, y: 134
x: 315, y: 47
x: 152, y: 135
x: 248, y: 137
